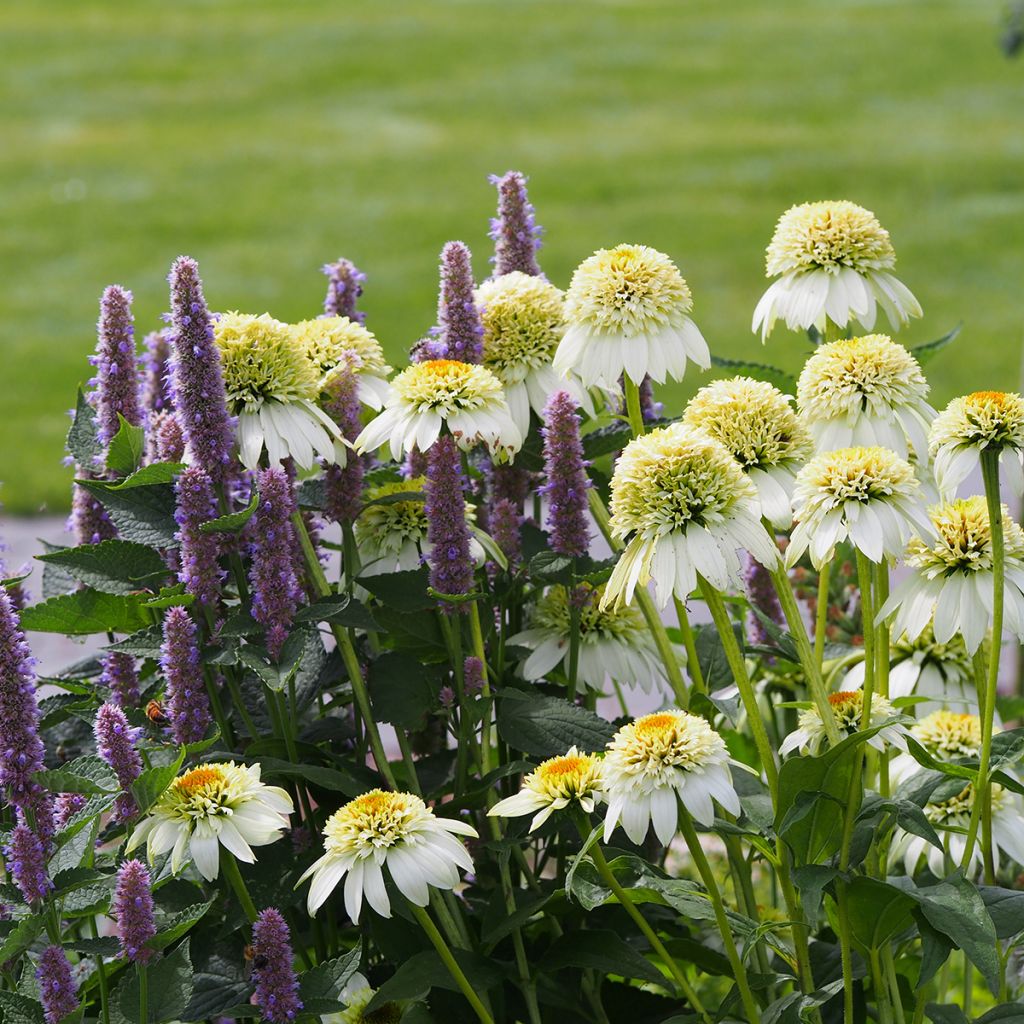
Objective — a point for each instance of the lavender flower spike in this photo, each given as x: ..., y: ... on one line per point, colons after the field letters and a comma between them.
x: 277, y: 988
x: 66, y: 806
x: 133, y: 911
x: 505, y: 522
x: 187, y: 704
x: 197, y: 504
x: 762, y: 595
x: 461, y: 331
x: 515, y: 233
x: 117, y: 376
x: 120, y: 676
x: 451, y: 565
x: 166, y: 440
x: 567, y: 482
x: 344, y: 286
x: 196, y: 374
x: 89, y: 521
x: 156, y: 382
x: 275, y: 586
x: 344, y: 484
x: 115, y: 744
x: 56, y: 986
x: 26, y: 861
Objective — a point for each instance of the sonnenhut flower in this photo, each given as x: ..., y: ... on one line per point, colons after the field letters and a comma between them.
x: 426, y: 397
x: 657, y: 761
x: 627, y: 311
x: 754, y: 421
x: 213, y: 805
x: 848, y: 710
x: 687, y: 507
x: 553, y: 785
x: 869, y: 495
x: 356, y: 996
x: 386, y: 829
x: 865, y: 391
x: 615, y: 643
x: 951, y: 581
x: 968, y: 426
x: 832, y: 260
x: 334, y: 342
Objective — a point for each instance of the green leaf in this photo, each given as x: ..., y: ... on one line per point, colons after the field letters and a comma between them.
x: 126, y: 447
x: 146, y: 643
x: 20, y: 937
x: 339, y: 609
x: 1006, y: 908
x: 170, y: 989
x: 318, y: 775
x: 930, y: 349
x: 877, y: 911
x: 603, y: 951
x: 320, y: 989
x: 84, y: 612
x: 233, y: 522
x: 89, y: 774
x: 417, y: 632
x: 144, y: 514
x: 154, y: 473
x: 401, y: 691
x: 83, y: 437
x: 19, y: 1009
x: 546, y: 726
x: 605, y: 440
x: 112, y: 566
x: 784, y: 381
x: 148, y: 787
x: 219, y: 983
x: 551, y: 567
x: 170, y: 597
x: 424, y: 971
x: 401, y: 591
x: 946, y: 1013
x: 105, y: 945
x: 711, y: 655
x: 811, y: 880
x: 174, y: 928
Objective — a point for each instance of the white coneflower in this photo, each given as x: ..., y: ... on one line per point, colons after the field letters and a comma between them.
x: 213, y: 805
x: 332, y: 341
x: 356, y: 996
x: 869, y: 495
x: 614, y: 643
x: 754, y: 421
x: 848, y: 709
x: 386, y: 829
x: 426, y: 397
x: 659, y: 760
x: 627, y: 312
x: 553, y: 785
x: 832, y: 260
x: 968, y: 426
x: 272, y: 387
x: 865, y: 391
x: 951, y: 581
x: 523, y: 323
x: 687, y: 507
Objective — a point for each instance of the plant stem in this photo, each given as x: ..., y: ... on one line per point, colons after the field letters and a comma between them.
x: 234, y: 877
x: 690, y: 644
x: 633, y: 410
x: 477, y: 635
x: 821, y: 613
x: 143, y: 993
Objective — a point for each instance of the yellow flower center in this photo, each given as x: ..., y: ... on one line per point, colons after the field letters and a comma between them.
x: 447, y: 386
x: 567, y: 777
x: 378, y: 819
x: 855, y: 474
x: 964, y: 542
x: 982, y: 419
x: 949, y: 734
x: 198, y: 778
x: 665, y: 740
x: 330, y: 340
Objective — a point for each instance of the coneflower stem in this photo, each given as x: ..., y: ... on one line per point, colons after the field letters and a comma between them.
x: 821, y: 613
x: 477, y: 635
x: 423, y: 918
x: 690, y: 644
x: 633, y: 410
x: 234, y: 877
x: 143, y: 994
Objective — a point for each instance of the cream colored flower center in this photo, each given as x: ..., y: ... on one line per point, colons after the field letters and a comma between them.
x: 447, y: 386
x: 964, y: 541
x: 848, y: 710
x: 667, y: 739
x: 566, y: 777
x: 554, y: 612
x: 329, y: 339
x: 204, y: 792
x: 983, y: 419
x: 949, y: 735
x: 855, y: 474
x: 379, y: 819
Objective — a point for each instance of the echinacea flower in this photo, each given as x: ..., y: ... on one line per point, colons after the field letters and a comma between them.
x: 865, y: 391
x: 427, y: 397
x: 832, y: 260
x: 389, y: 830
x: 658, y: 761
x: 627, y: 311
x: 572, y: 778
x: 983, y: 421
x: 212, y: 806
x: 867, y: 495
x: 338, y: 342
x: 848, y: 710
x: 614, y: 643
x: 754, y: 421
x: 686, y: 507
x: 951, y: 577
x: 356, y: 996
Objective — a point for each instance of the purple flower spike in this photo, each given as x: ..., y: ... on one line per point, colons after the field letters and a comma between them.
x: 567, y: 482
x: 515, y: 233
x: 156, y: 381
x: 89, y: 521
x: 188, y: 706
x: 117, y: 375
x: 26, y: 860
x: 56, y: 986
x: 277, y: 988
x: 344, y: 286
x: 415, y: 464
x: 120, y: 676
x: 344, y: 484
x: 196, y: 376
x: 197, y: 504
x: 275, y: 587
x: 473, y: 676
x: 133, y: 911
x: 762, y: 595
x: 115, y: 743
x: 66, y: 806
x: 505, y: 522
x: 166, y: 439
x: 461, y: 330
x: 451, y: 567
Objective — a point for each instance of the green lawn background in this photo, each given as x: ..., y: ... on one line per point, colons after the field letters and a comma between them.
x: 265, y: 137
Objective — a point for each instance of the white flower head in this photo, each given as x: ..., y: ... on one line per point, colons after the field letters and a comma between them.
x: 950, y: 585
x: 755, y: 423
x: 658, y: 760
x: 426, y: 397
x: 212, y: 806
x: 333, y: 341
x: 553, y: 785
x: 686, y: 506
x: 387, y: 829
x: 627, y: 312
x: 356, y: 996
x: 848, y: 710
x: 984, y: 420
x: 867, y: 495
x: 865, y: 391
x: 831, y: 260
x: 614, y: 643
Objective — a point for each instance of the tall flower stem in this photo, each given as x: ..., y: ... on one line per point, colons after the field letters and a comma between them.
x: 237, y: 883
x: 821, y: 614
x: 477, y: 635
x: 424, y: 921
x: 690, y: 644
x: 143, y: 994
x: 634, y: 412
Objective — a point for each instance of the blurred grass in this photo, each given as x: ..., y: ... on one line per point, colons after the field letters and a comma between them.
x: 265, y: 138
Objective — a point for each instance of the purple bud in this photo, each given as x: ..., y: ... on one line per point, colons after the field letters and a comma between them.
x: 344, y: 286
x: 197, y: 504
x: 56, y: 986
x: 165, y: 440
x: 120, y: 676
x: 188, y: 706
x: 89, y: 521
x: 115, y: 743
x: 156, y: 381
x: 344, y: 484
x: 515, y: 233
x: 117, y: 380
x: 277, y: 988
x: 567, y: 482
x: 511, y: 482
x: 415, y: 464
x: 472, y: 677
x: 133, y: 911
x: 461, y: 330
x: 451, y: 567
x: 66, y: 807
x: 504, y: 524
x: 26, y: 861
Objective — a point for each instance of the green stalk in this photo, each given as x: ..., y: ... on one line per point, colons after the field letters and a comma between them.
x: 574, y: 645
x: 234, y: 877
x: 143, y: 993
x: 821, y: 613
x: 878, y: 983
x: 477, y: 635
x: 889, y: 966
x: 690, y: 644
x: 633, y: 411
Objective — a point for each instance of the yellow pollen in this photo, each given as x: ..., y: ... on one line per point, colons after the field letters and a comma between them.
x: 987, y: 397
x: 844, y: 697
x: 656, y: 723
x: 197, y: 778
x: 563, y: 766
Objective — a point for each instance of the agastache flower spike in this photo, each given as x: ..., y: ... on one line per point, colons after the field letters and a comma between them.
x: 196, y: 374
x: 457, y: 316
x: 89, y: 521
x: 515, y: 233
x: 197, y: 504
x: 114, y: 743
x: 762, y: 596
x: 567, y: 483
x: 120, y: 676
x: 451, y: 565
x: 66, y: 806
x: 504, y: 524
x: 277, y: 988
x: 56, y: 986
x: 187, y: 704
x: 117, y: 378
x: 156, y: 383
x: 26, y: 861
x: 133, y: 911
x: 166, y: 438
x: 344, y: 286
x: 344, y: 484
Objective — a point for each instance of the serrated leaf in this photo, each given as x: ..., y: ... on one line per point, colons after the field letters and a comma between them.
x: 926, y: 352
x: 89, y: 774
x: 320, y: 989
x: 144, y: 514
x: 170, y: 989
x: 233, y: 522
x: 401, y: 691
x: 170, y: 597
x: 784, y: 381
x: 83, y: 438
x: 152, y: 782
x: 178, y: 925
x: 146, y: 643
x: 84, y: 612
x: 599, y: 950
x: 605, y: 440
x: 219, y: 983
x: 546, y: 726
x: 424, y: 971
x: 112, y: 566
x: 20, y: 1009
x: 105, y: 945
x: 402, y: 591
x: 20, y: 937
x: 126, y: 447
x: 154, y: 473
x: 339, y: 609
